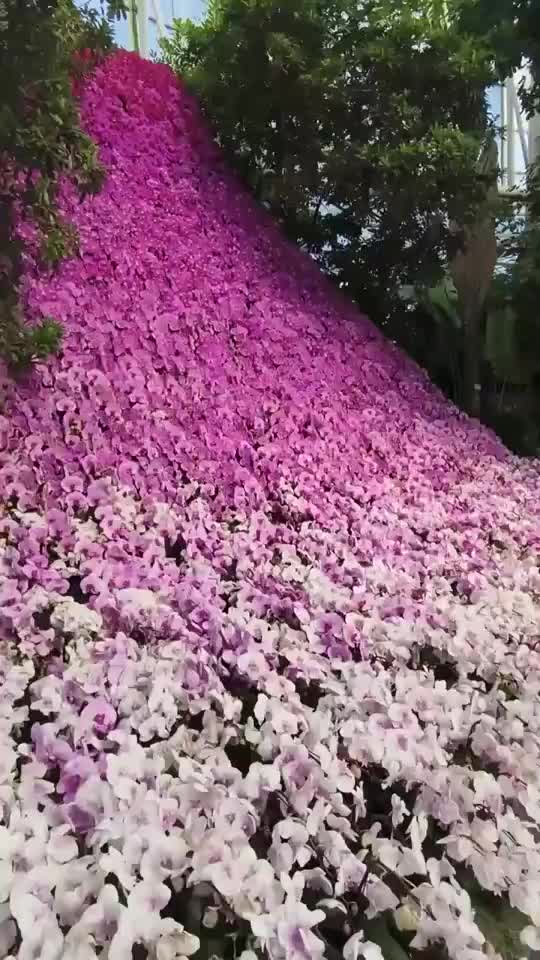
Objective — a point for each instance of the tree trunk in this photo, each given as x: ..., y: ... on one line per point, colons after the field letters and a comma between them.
x: 472, y: 362
x: 5, y: 246
x: 472, y: 271
x: 10, y: 248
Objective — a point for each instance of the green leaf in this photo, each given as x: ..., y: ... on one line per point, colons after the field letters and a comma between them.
x: 500, y: 923
x: 378, y: 931
x: 502, y: 348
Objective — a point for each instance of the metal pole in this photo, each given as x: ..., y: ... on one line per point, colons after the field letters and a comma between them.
x: 504, y: 162
x: 534, y: 138
x: 510, y: 140
x: 160, y: 23
x: 142, y: 24
x: 133, y: 26
x: 518, y: 113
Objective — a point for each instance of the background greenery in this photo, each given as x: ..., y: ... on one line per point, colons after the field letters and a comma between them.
x: 40, y: 138
x: 364, y: 127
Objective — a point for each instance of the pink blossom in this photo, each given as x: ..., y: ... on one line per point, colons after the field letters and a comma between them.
x: 97, y: 717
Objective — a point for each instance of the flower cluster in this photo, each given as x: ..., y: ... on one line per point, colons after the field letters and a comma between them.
x: 269, y: 606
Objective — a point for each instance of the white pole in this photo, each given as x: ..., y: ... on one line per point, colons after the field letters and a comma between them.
x: 160, y: 23
x: 520, y: 122
x: 504, y: 159
x: 142, y: 25
x: 534, y: 138
x: 510, y: 139
x: 133, y: 26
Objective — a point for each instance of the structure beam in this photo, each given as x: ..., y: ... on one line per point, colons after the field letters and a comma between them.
x: 534, y: 138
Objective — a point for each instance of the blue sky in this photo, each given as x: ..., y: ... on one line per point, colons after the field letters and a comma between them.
x: 190, y: 9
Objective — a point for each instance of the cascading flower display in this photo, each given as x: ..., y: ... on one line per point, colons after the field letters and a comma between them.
x: 269, y: 605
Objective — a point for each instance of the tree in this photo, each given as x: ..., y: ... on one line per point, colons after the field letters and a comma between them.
x: 364, y: 127
x: 40, y: 139
x: 511, y: 28
x: 472, y: 270
x: 359, y: 124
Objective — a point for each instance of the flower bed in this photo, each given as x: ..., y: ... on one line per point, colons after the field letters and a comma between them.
x: 268, y: 604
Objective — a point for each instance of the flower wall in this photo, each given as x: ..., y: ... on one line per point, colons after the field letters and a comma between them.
x: 269, y: 605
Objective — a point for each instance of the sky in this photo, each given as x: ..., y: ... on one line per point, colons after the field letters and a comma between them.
x: 184, y: 9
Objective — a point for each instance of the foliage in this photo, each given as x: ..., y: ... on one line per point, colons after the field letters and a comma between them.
x: 516, y: 294
x: 269, y: 604
x: 361, y: 127
x: 472, y: 269
x: 40, y: 139
x: 509, y: 350
x: 513, y: 329
x: 512, y: 30
x: 20, y: 345
x: 358, y: 124
x: 431, y: 331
